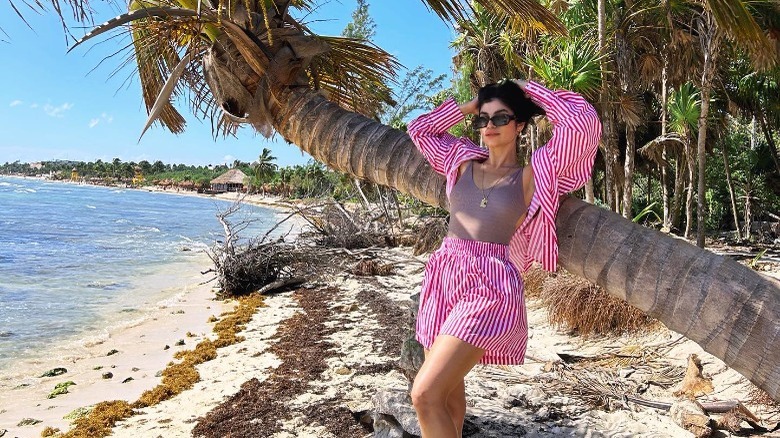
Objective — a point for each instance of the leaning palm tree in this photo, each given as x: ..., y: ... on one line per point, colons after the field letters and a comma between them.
x: 254, y: 63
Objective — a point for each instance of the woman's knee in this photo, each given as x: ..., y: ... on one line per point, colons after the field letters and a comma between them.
x: 425, y: 397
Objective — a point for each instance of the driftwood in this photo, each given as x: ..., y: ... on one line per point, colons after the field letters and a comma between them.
x: 263, y: 263
x: 694, y: 383
x: 279, y: 285
x: 731, y: 408
x: 689, y: 415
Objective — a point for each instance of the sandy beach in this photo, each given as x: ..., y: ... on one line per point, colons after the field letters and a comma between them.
x: 313, y: 359
x: 140, y: 342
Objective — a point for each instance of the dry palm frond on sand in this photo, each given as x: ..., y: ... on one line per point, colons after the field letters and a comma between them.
x: 578, y: 305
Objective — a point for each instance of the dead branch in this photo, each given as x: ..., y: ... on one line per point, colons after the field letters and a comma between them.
x: 281, y: 284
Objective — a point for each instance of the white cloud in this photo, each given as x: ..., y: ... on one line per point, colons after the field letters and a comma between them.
x: 57, y: 111
x: 103, y: 118
x: 229, y: 159
x: 15, y: 103
x: 35, y: 105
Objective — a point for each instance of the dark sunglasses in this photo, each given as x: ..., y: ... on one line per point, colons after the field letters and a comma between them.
x: 498, y: 120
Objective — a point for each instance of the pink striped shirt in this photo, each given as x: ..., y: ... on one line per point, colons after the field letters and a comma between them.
x: 561, y: 166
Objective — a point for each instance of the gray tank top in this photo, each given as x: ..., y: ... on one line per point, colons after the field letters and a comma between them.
x: 497, y: 221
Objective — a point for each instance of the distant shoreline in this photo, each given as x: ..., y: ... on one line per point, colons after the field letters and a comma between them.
x: 253, y: 199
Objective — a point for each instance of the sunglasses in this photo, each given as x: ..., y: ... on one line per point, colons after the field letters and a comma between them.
x: 498, y: 120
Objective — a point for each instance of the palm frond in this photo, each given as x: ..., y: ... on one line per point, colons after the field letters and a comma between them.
x: 156, y: 11
x: 653, y: 149
x: 684, y: 109
x: 157, y: 45
x: 527, y: 12
x: 354, y: 74
x: 571, y: 64
x: 630, y: 109
x: 166, y: 92
x: 735, y: 19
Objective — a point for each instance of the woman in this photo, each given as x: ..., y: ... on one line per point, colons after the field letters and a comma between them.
x: 502, y: 218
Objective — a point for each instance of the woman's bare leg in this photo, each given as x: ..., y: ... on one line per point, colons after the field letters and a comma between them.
x: 442, y: 373
x: 456, y: 403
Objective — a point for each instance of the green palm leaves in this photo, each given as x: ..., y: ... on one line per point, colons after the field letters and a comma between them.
x: 684, y: 109
x: 569, y: 64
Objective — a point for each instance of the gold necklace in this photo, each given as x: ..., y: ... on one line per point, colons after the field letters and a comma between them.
x: 485, y: 197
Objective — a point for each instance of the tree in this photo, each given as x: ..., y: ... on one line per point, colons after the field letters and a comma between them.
x: 685, y: 110
x: 362, y: 27
x: 276, y: 78
x: 264, y: 167
x: 415, y: 92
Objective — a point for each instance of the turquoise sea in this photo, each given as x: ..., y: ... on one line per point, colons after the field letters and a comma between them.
x: 76, y: 259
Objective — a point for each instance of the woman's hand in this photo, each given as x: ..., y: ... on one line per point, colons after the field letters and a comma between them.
x: 469, y: 107
x: 521, y: 83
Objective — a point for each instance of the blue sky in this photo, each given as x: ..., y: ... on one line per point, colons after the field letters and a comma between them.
x: 55, y: 105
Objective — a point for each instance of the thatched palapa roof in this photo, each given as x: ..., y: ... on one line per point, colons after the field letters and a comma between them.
x: 232, y: 176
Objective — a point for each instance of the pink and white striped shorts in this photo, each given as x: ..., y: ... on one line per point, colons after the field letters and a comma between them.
x: 473, y: 292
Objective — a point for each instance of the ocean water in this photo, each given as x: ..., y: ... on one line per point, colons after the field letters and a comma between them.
x: 77, y: 258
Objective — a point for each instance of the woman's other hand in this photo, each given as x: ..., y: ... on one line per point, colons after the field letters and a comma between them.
x: 521, y: 83
x: 469, y: 107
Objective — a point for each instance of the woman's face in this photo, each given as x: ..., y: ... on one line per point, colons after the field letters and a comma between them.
x: 499, y: 136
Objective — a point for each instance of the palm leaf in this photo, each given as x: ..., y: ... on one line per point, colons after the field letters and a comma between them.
x: 166, y: 92
x: 527, y: 12
x: 684, y: 109
x: 156, y: 11
x: 734, y: 17
x: 354, y: 74
x: 156, y: 46
x: 653, y: 150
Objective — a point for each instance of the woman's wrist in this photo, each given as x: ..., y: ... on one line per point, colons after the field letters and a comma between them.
x: 469, y: 107
x: 521, y: 83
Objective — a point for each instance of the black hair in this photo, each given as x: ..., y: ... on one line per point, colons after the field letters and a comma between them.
x: 511, y: 95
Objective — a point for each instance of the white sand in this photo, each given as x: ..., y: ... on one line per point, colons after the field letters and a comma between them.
x: 490, y: 389
x: 141, y: 356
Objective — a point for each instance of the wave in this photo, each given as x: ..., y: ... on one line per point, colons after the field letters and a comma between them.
x: 90, y: 206
x: 104, y: 285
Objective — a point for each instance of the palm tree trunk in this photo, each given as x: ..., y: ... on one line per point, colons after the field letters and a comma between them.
x: 709, y: 36
x: 701, y: 152
x: 728, y: 309
x: 628, y: 182
x: 691, y: 181
x: 608, y: 148
x: 667, y: 224
x: 733, y: 312
x: 679, y: 181
x: 351, y: 143
x: 731, y: 190
x: 769, y: 139
x: 748, y: 210
x: 590, y: 193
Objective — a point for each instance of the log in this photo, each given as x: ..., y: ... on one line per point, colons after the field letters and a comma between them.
x: 280, y: 284
x: 689, y: 415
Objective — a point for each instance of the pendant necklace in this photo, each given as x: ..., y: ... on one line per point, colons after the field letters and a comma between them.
x: 485, y: 196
